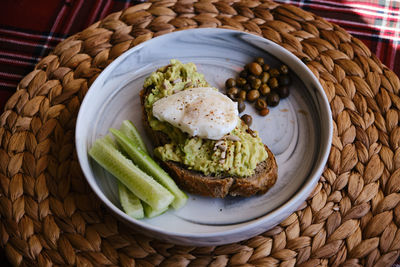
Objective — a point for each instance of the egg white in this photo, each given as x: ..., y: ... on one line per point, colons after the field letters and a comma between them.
x: 202, y: 112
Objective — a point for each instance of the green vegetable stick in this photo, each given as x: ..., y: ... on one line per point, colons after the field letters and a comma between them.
x: 129, y: 129
x: 137, y: 181
x: 110, y: 141
x: 147, y: 164
x: 150, y: 212
x: 130, y: 203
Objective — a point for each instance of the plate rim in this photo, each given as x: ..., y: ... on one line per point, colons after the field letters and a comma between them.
x: 308, y: 185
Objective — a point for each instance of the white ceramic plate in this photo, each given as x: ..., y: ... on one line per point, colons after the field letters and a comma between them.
x: 298, y: 131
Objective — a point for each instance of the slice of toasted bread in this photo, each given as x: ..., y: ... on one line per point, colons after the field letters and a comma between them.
x: 214, y: 186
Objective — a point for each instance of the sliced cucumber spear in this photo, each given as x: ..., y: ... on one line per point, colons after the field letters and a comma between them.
x: 137, y: 181
x: 130, y: 203
x: 110, y: 141
x: 129, y: 129
x: 150, y: 212
x: 147, y: 164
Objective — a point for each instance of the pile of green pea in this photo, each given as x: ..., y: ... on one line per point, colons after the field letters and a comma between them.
x: 261, y: 84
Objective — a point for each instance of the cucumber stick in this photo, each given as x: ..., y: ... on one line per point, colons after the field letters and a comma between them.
x: 137, y: 181
x: 129, y: 202
x: 147, y: 164
x: 129, y: 129
x: 110, y: 141
x: 150, y: 212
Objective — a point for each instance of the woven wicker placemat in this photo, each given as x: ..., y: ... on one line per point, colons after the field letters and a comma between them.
x: 50, y: 216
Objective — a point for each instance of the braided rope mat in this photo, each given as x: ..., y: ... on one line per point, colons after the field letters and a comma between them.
x: 50, y: 216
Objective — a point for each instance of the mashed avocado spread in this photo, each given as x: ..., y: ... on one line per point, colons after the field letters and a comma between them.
x: 238, y: 154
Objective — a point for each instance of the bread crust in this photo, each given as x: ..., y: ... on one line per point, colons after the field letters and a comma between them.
x: 195, y: 182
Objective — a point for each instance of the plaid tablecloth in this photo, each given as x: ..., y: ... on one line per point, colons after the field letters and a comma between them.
x: 30, y: 29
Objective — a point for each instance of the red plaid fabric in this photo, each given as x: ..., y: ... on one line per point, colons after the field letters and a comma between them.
x: 29, y: 30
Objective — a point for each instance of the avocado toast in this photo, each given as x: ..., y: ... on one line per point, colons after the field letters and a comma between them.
x: 237, y: 164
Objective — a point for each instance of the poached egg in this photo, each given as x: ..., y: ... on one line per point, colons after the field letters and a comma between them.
x: 201, y: 111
